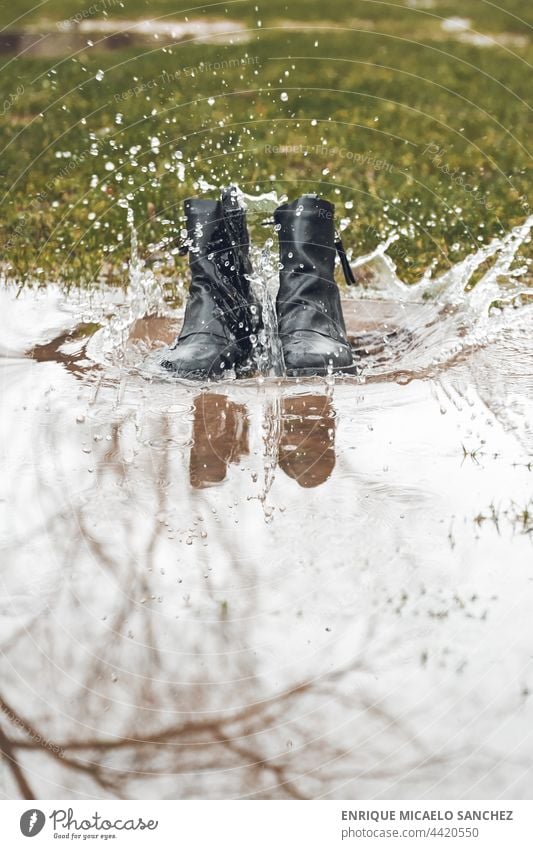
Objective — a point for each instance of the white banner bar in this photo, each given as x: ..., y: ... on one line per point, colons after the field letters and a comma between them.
x: 269, y: 824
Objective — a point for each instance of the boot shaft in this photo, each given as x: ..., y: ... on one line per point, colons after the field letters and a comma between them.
x: 237, y: 231
x: 216, y: 227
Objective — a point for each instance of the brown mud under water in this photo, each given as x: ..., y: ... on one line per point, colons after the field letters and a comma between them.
x: 80, y: 33
x: 75, y: 35
x: 266, y: 588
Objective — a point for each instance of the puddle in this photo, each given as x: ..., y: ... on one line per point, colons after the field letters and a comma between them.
x: 75, y: 35
x: 270, y: 588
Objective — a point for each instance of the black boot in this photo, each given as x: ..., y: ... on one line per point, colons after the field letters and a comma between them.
x: 310, y: 321
x: 307, y: 440
x: 220, y: 320
x: 219, y: 437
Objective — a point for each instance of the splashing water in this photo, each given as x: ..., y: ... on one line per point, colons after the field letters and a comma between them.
x: 264, y: 284
x: 430, y: 323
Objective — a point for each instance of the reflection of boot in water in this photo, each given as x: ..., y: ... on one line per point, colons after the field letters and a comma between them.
x: 307, y: 442
x: 219, y: 437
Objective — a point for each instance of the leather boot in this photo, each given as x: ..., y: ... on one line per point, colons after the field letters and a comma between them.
x: 221, y: 319
x: 310, y: 321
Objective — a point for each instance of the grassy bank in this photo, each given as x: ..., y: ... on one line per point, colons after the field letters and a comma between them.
x: 404, y: 130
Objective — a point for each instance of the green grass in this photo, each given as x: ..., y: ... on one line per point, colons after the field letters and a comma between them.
x: 366, y: 106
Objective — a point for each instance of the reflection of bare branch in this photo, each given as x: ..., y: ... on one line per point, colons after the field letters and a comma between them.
x: 279, y: 771
x: 6, y: 749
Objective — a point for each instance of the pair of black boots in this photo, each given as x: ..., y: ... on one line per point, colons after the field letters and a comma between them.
x: 222, y: 319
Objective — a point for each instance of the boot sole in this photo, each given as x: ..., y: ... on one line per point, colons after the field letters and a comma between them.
x: 244, y: 370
